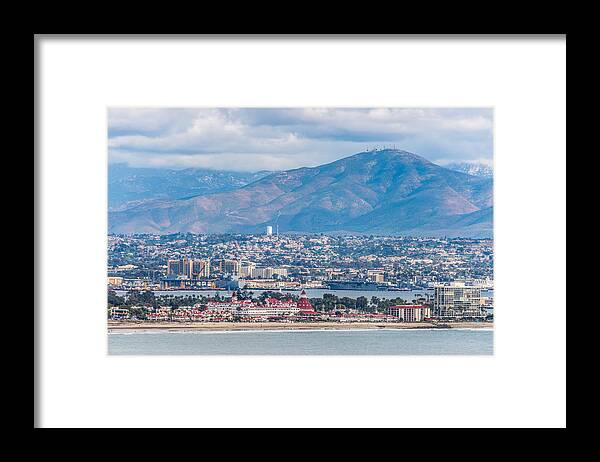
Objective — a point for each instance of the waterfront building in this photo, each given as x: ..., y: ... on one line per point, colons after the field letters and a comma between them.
x: 175, y: 282
x: 268, y: 284
x: 457, y: 300
x: 162, y: 313
x: 410, y: 313
x: 268, y: 272
x: 304, y: 306
x: 119, y: 313
x: 375, y: 276
x: 271, y: 307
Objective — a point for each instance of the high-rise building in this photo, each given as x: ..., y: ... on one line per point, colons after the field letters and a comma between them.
x: 231, y: 267
x: 247, y: 270
x: 190, y: 268
x: 262, y: 273
x: 174, y: 267
x: 200, y: 268
x: 269, y: 230
x: 458, y: 299
x: 410, y: 313
x: 283, y: 272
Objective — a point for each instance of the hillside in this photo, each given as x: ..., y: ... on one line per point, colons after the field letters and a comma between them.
x: 374, y: 192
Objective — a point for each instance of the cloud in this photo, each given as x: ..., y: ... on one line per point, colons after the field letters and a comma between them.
x: 281, y: 138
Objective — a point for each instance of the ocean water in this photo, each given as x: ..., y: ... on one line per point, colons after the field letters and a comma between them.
x: 305, y: 342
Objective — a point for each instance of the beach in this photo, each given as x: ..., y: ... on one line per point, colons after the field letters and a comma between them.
x: 257, y: 326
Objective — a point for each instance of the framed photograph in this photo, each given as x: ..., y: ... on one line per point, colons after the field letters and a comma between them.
x: 293, y: 228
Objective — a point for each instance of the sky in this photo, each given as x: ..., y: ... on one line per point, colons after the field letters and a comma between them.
x: 252, y: 139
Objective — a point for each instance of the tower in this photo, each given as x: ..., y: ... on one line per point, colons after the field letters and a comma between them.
x: 304, y: 304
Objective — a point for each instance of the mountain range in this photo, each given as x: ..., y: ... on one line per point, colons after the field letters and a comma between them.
x: 129, y: 186
x: 385, y: 192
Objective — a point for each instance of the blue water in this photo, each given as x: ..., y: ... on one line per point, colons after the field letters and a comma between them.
x: 313, y: 342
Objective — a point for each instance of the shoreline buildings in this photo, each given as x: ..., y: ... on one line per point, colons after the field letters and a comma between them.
x: 410, y: 313
x: 458, y: 299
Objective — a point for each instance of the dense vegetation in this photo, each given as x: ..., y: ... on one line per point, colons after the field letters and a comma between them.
x: 327, y: 303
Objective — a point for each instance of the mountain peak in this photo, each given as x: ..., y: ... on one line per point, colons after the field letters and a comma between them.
x: 390, y: 153
x: 382, y: 191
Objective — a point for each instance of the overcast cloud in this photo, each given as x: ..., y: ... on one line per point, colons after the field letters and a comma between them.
x: 276, y: 139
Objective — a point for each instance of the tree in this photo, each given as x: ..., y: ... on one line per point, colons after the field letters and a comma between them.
x: 114, y: 299
x: 362, y: 303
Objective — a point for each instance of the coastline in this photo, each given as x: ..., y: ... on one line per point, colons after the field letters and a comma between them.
x: 258, y: 326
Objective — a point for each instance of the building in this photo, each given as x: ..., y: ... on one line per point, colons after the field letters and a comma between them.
x: 282, y: 272
x: 458, y: 300
x: 162, y: 313
x: 175, y: 282
x: 247, y: 270
x: 268, y: 284
x: 269, y: 230
x: 271, y: 307
x: 119, y: 313
x: 410, y: 313
x: 200, y: 268
x: 177, y: 267
x: 304, y: 305
x: 375, y: 276
x: 268, y: 272
x: 115, y: 280
x: 232, y: 267
x: 189, y: 268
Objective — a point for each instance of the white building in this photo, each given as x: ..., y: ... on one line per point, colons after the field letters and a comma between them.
x: 269, y: 230
x: 247, y: 270
x: 410, y: 313
x: 458, y: 299
x: 119, y: 313
x: 268, y: 272
x: 271, y: 307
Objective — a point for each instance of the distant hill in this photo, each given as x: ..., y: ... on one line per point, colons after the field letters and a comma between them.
x: 133, y: 186
x: 472, y: 168
x: 374, y: 192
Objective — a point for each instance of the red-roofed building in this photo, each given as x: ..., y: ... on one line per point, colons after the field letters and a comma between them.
x: 304, y: 305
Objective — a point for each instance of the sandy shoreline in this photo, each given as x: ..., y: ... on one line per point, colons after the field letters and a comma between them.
x: 242, y: 326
